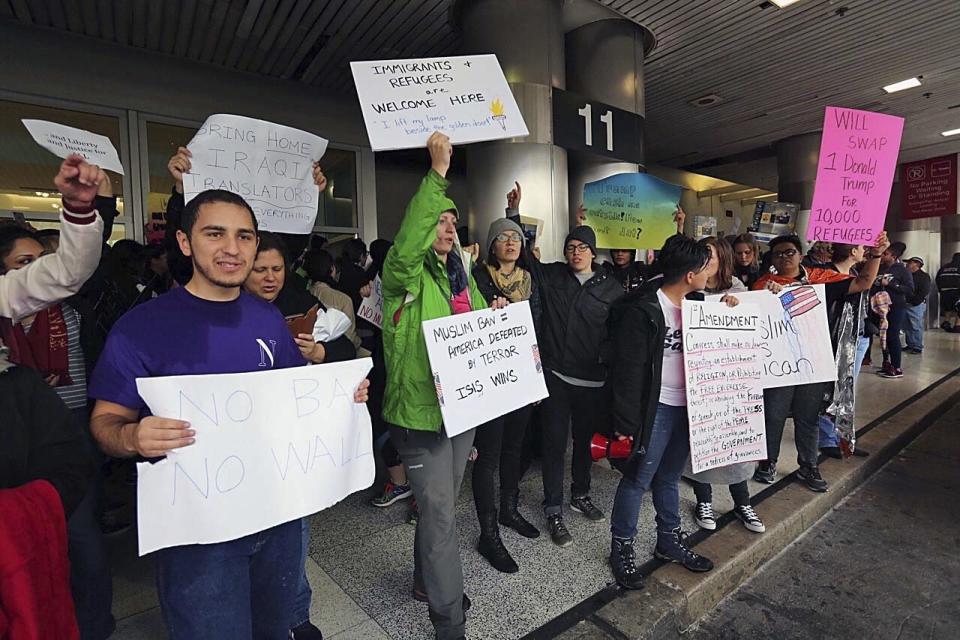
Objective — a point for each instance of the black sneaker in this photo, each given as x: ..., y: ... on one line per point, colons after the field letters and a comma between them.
x: 705, y: 517
x: 558, y: 531
x: 766, y: 472
x: 810, y: 474
x: 749, y: 518
x: 622, y: 561
x: 891, y: 373
x: 672, y: 547
x: 306, y: 631
x: 584, y: 505
x: 860, y: 453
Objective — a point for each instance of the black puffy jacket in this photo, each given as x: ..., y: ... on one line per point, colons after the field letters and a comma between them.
x: 634, y: 352
x: 39, y: 439
x: 573, y: 323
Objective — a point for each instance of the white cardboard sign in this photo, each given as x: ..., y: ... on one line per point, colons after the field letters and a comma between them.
x: 794, y: 335
x: 62, y: 141
x: 371, y: 308
x: 269, y: 165
x: 465, y: 97
x: 721, y: 352
x: 271, y: 447
x: 485, y: 364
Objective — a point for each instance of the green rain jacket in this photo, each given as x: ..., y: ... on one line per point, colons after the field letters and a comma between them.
x: 416, y: 289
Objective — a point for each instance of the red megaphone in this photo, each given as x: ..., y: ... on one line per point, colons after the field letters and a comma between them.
x: 603, y: 447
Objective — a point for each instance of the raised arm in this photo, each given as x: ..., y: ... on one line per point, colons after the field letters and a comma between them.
x: 58, y: 276
x: 403, y: 268
x: 868, y: 274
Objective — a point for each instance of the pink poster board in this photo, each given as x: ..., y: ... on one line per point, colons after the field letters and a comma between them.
x: 858, y: 158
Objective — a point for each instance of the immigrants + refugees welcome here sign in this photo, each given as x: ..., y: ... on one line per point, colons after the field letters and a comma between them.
x: 465, y: 97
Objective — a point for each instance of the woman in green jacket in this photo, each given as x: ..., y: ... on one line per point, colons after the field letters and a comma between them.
x: 427, y: 275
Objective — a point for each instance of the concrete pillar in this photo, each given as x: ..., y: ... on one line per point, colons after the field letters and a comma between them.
x: 605, y: 63
x: 797, y: 173
x: 527, y: 37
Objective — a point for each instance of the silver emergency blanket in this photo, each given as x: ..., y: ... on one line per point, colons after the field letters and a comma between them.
x: 843, y: 403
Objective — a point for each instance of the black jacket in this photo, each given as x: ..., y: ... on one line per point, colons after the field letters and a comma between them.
x: 948, y: 278
x: 900, y: 286
x: 573, y: 323
x: 573, y: 317
x: 634, y: 352
x: 921, y: 288
x: 630, y: 277
x: 39, y: 440
x: 490, y: 290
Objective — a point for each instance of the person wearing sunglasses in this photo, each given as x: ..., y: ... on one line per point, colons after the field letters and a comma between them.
x: 575, y: 297
x: 804, y: 400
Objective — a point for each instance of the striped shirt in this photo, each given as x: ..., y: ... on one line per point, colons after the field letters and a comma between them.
x: 73, y: 395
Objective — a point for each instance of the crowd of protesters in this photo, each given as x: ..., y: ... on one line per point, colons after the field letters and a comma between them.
x: 81, y: 320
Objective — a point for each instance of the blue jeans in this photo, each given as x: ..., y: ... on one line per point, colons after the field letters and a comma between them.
x: 301, y: 605
x: 828, y: 433
x: 916, y: 318
x: 659, y: 469
x: 238, y: 590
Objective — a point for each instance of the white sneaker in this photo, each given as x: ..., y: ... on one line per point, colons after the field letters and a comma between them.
x: 749, y: 518
x: 705, y: 517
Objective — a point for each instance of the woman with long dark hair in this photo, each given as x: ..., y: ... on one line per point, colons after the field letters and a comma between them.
x: 735, y: 476
x: 327, y: 343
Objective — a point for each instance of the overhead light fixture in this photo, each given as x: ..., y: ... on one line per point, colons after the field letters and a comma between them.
x: 706, y: 101
x: 903, y: 84
x: 783, y: 3
x: 951, y: 132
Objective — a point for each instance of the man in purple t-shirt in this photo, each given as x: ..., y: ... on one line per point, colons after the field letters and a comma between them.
x: 242, y: 588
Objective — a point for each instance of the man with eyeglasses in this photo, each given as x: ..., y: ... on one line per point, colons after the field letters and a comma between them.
x: 804, y: 401
x: 575, y: 298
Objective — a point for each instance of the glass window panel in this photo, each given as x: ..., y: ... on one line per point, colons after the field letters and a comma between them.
x: 27, y: 169
x: 338, y: 206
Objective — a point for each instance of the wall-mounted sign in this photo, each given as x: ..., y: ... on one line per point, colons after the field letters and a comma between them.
x: 929, y: 188
x: 588, y: 125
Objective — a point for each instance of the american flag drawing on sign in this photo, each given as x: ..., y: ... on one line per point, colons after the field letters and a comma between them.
x: 536, y: 358
x: 797, y: 302
x: 436, y: 385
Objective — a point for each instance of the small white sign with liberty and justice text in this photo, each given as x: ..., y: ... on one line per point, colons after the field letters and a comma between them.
x: 63, y: 141
x: 721, y: 354
x: 485, y: 364
x: 465, y: 97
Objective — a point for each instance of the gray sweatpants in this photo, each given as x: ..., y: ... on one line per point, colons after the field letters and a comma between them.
x: 434, y: 464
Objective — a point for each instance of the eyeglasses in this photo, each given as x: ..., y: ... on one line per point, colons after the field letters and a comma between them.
x: 508, y: 237
x: 789, y: 253
x: 576, y: 248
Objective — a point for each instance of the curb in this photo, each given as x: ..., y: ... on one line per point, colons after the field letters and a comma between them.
x: 674, y: 599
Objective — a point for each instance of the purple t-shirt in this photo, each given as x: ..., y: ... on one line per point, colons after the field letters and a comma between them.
x: 181, y: 334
